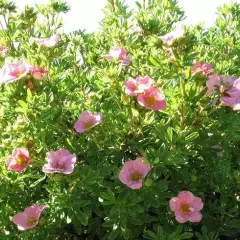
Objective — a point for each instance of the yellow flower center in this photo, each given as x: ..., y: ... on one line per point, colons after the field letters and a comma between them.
x: 151, y: 101
x: 21, y: 160
x: 31, y: 221
x: 185, y: 208
x: 88, y: 125
x: 136, y: 176
x: 227, y: 86
x: 19, y: 73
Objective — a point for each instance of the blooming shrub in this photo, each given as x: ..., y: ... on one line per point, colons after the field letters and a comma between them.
x: 122, y: 133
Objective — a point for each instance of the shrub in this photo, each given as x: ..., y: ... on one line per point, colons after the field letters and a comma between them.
x: 131, y: 132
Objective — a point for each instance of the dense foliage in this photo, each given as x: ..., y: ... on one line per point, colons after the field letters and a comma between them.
x: 190, y: 142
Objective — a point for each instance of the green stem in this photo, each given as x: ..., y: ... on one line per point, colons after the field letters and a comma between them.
x: 184, y: 106
x: 113, y: 4
x: 144, y: 4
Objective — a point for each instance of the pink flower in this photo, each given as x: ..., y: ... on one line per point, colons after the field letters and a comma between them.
x: 13, y: 71
x: 4, y: 50
x: 29, y: 218
x: 133, y: 172
x: 186, y: 207
x: 204, y: 68
x: 38, y: 73
x: 212, y: 83
x: 61, y: 161
x: 50, y: 42
x: 153, y: 99
x: 87, y: 120
x: 229, y: 101
x: 169, y: 38
x: 138, y: 85
x: 215, y: 81
x: 19, y: 160
x: 119, y: 54
x: 231, y: 97
x: 227, y: 80
x: 229, y: 88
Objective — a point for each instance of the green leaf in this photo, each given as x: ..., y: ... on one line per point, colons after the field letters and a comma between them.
x: 29, y: 95
x: 83, y: 218
x: 23, y: 105
x: 38, y: 181
x: 162, y: 186
x: 186, y: 235
x: 113, y: 235
x: 191, y: 136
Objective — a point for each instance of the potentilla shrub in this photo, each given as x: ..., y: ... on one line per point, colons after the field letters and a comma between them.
x: 131, y: 132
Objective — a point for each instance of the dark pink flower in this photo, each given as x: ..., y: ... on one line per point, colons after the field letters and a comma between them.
x: 204, y: 68
x: 13, y: 71
x: 29, y: 218
x: 38, y: 73
x: 19, y: 160
x: 153, y: 98
x: 186, y: 207
x: 119, y: 54
x: 87, y: 120
x: 61, y: 161
x: 50, y: 42
x: 133, y: 172
x: 138, y: 85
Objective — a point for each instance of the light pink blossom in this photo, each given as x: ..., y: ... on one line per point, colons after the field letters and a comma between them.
x: 216, y: 81
x: 87, y: 120
x: 138, y: 85
x: 50, y: 42
x: 229, y: 88
x: 230, y: 101
x: 61, y: 161
x: 212, y: 83
x: 133, y: 173
x: 13, y: 71
x: 204, y: 68
x: 19, y: 160
x: 170, y: 37
x: 186, y: 207
x: 152, y: 98
x: 29, y: 218
x: 231, y: 95
x: 38, y: 73
x: 119, y: 54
